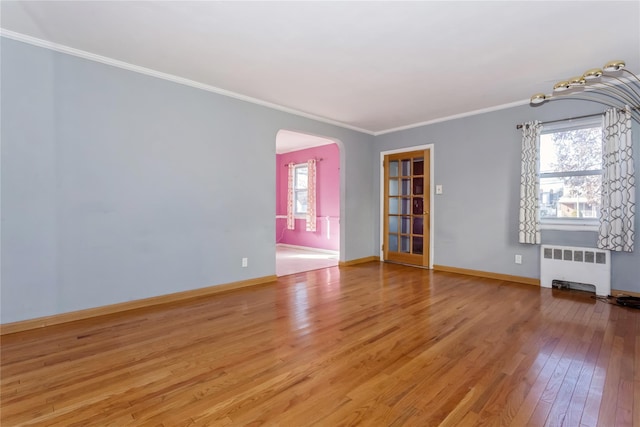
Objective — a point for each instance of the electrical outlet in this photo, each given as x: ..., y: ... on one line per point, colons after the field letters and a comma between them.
x: 438, y: 189
x: 245, y: 262
x: 518, y: 259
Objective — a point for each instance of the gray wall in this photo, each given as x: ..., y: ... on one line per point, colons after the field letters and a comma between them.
x: 477, y: 161
x: 118, y: 186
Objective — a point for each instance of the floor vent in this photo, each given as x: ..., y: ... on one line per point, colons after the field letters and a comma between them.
x: 576, y: 268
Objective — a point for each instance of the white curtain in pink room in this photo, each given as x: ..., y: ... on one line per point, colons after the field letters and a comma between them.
x: 291, y: 221
x: 311, y: 195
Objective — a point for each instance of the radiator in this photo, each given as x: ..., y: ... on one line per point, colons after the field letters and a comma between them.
x: 576, y: 267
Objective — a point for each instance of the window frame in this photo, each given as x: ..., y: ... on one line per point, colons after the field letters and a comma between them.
x: 297, y: 190
x: 569, y: 224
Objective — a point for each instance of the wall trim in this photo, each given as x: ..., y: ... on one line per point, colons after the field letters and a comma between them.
x: 617, y: 293
x: 455, y: 116
x: 359, y: 261
x: 488, y: 275
x: 165, y: 76
x: 72, y: 316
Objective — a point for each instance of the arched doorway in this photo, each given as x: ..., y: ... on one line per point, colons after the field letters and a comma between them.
x: 300, y: 245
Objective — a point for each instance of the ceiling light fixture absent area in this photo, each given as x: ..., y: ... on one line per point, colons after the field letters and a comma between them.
x: 602, y: 85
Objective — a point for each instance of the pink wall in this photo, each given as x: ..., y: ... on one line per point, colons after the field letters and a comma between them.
x: 327, y: 199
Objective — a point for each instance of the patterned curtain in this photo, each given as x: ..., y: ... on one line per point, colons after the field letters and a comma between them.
x: 618, y: 183
x: 311, y: 195
x: 529, y: 221
x: 291, y: 221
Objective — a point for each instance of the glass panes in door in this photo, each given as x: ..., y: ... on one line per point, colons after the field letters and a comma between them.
x: 406, y: 207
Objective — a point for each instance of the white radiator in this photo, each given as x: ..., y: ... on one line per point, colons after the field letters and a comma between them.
x: 581, y: 266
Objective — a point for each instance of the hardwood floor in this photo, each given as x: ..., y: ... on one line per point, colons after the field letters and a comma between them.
x: 373, y: 344
x: 292, y: 260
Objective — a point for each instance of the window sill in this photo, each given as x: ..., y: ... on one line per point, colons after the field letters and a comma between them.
x: 563, y: 226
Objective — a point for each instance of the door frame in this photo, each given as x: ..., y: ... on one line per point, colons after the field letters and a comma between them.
x: 431, y: 149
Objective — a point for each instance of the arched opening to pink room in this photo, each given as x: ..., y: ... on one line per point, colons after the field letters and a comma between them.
x: 307, y: 202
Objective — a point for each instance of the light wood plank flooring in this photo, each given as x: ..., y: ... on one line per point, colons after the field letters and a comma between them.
x: 373, y: 344
x: 291, y: 260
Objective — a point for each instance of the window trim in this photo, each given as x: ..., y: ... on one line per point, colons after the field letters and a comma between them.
x: 570, y: 224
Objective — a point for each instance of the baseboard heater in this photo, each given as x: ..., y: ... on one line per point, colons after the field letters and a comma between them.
x: 568, y: 267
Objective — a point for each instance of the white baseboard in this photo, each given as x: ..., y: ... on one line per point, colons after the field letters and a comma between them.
x: 307, y: 248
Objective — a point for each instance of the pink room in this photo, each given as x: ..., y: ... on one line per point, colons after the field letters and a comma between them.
x: 307, y: 215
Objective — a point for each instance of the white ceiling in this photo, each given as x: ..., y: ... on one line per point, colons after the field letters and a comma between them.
x: 371, y: 66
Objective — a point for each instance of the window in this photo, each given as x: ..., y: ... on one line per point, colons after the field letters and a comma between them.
x: 571, y: 173
x: 300, y: 189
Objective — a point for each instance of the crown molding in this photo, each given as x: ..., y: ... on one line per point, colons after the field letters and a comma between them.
x: 170, y: 77
x: 455, y: 116
x: 198, y: 85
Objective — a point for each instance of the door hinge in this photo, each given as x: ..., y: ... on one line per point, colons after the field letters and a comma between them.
x: 382, y: 248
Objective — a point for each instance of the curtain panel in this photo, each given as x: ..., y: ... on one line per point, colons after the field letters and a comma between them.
x: 291, y: 221
x: 529, y: 218
x: 311, y: 195
x: 617, y: 214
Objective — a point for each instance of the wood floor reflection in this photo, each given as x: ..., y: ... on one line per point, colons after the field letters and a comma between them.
x: 373, y: 344
x: 292, y: 260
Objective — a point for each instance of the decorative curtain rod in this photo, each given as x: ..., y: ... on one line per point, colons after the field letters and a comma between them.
x: 605, y: 86
x: 520, y: 126
x: 301, y: 163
